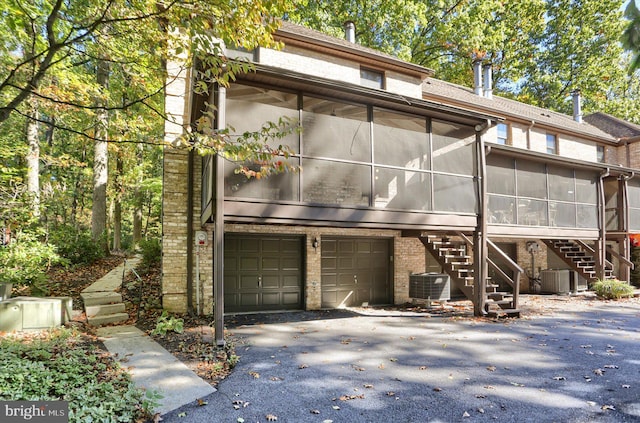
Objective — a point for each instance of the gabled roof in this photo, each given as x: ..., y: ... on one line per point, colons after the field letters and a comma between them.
x: 294, y: 34
x: 514, y: 110
x: 621, y: 129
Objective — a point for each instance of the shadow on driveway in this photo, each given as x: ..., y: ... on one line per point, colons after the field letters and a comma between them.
x: 347, y: 366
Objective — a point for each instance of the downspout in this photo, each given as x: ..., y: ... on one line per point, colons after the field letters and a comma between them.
x: 603, y: 230
x: 218, y: 230
x: 480, y: 271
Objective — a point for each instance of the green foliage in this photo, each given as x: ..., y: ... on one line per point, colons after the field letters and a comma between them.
x: 76, y: 246
x: 167, y: 323
x: 151, y: 251
x: 612, y: 289
x: 25, y: 261
x: 61, y: 366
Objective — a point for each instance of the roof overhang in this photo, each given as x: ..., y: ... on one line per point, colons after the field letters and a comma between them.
x: 560, y: 160
x: 294, y: 81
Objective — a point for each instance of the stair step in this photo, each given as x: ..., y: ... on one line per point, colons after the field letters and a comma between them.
x: 499, y: 296
x: 507, y: 312
x: 108, y: 318
x: 104, y: 309
x: 99, y: 298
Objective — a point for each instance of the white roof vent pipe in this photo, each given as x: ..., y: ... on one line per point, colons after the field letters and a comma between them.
x: 350, y: 31
x: 477, y: 77
x: 487, y: 81
x: 577, y: 106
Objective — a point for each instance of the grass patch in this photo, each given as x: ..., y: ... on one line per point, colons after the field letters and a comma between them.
x: 612, y: 289
x: 63, y: 365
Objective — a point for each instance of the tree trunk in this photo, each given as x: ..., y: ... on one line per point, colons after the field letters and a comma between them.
x: 138, y: 197
x: 117, y: 206
x: 100, y: 163
x: 33, y: 156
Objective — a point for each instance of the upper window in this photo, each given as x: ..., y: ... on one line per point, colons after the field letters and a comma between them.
x: 600, y: 153
x: 371, y: 78
x: 552, y: 144
x: 503, y: 134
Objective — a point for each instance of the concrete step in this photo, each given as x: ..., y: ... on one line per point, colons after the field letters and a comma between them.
x: 98, y: 298
x: 104, y: 309
x: 108, y: 318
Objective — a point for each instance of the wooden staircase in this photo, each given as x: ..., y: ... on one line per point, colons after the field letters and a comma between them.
x: 453, y: 258
x: 580, y: 257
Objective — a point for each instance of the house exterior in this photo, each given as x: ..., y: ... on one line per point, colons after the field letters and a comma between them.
x: 402, y: 174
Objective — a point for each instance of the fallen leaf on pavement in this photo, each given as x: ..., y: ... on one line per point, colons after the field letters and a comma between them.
x: 303, y: 366
x: 559, y: 378
x: 315, y: 411
x: 608, y: 407
x: 157, y: 418
x: 391, y: 394
x: 626, y: 386
x: 368, y: 386
x: 422, y: 368
x: 271, y: 417
x: 201, y: 402
x: 598, y: 372
x: 491, y: 368
x: 611, y: 366
x: 256, y: 375
x: 465, y: 414
x: 436, y: 389
x: 351, y: 397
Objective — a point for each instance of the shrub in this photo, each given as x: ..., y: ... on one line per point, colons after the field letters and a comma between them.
x: 77, y: 246
x: 25, y: 262
x: 612, y: 289
x: 61, y: 366
x: 151, y: 251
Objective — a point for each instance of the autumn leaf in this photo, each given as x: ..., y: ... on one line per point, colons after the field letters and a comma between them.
x: 393, y: 359
x: 559, y: 378
x: 256, y: 375
x: 183, y: 414
x: 335, y: 407
x: 611, y: 366
x: 271, y: 417
x: 314, y: 411
x: 598, y: 372
x: 491, y: 368
x: 608, y: 407
x: 422, y: 368
x: 368, y: 386
x: 391, y: 394
x: 303, y: 366
x: 436, y: 389
x: 157, y: 418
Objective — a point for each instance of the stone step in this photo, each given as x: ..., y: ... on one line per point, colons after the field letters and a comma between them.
x: 104, y: 309
x: 108, y: 318
x: 99, y: 298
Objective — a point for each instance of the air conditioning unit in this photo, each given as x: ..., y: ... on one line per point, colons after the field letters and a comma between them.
x: 31, y: 313
x: 430, y: 286
x: 561, y: 281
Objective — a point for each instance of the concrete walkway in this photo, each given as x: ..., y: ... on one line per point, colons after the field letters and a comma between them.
x: 151, y: 366
x: 154, y: 368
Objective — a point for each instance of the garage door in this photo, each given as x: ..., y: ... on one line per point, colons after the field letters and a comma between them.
x: 262, y: 273
x: 355, y: 271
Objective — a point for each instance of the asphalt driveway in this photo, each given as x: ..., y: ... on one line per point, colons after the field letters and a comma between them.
x: 391, y: 366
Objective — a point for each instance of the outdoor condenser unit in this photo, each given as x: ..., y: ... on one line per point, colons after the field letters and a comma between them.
x: 31, y: 313
x: 430, y: 286
x: 561, y: 281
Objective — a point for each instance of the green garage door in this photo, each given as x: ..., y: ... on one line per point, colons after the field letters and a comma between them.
x: 262, y: 273
x: 355, y: 271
